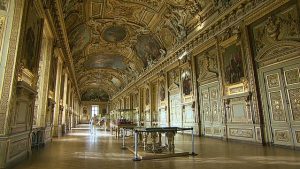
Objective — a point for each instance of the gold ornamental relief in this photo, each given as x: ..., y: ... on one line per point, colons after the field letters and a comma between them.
x: 277, y: 109
x: 214, y: 109
x: 207, y: 115
x: 273, y: 80
x: 284, y: 25
x: 208, y: 130
x: 205, y: 95
x: 237, y: 132
x: 213, y: 94
x: 292, y: 76
x: 294, y: 95
x: 282, y: 135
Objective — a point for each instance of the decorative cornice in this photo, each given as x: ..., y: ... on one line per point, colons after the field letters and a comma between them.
x: 56, y: 15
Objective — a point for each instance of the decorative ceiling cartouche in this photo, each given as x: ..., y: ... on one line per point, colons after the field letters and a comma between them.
x: 113, y: 41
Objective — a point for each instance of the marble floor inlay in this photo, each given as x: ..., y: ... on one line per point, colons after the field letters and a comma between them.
x: 81, y: 150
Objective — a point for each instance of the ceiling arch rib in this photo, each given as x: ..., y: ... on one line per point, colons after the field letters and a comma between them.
x: 118, y: 39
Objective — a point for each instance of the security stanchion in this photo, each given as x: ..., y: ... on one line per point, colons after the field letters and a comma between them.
x: 123, y: 144
x: 136, y: 158
x: 193, y: 144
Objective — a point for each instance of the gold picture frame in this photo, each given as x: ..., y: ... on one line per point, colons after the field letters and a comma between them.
x: 233, y: 66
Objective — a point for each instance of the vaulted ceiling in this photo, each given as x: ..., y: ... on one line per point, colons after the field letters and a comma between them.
x: 114, y: 41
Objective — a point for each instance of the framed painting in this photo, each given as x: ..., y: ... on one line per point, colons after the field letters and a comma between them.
x: 187, y: 84
x: 162, y: 90
x: 233, y: 66
x: 32, y: 37
x: 147, y: 101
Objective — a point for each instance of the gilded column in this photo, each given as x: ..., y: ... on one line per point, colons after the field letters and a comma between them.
x: 65, y: 98
x: 57, y: 126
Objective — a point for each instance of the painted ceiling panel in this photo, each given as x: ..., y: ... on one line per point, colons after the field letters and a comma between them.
x: 105, y: 61
x: 114, y: 41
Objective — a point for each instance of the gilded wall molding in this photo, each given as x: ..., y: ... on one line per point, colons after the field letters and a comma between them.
x: 9, y: 81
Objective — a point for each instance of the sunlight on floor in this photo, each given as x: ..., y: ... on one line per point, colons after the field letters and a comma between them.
x: 96, y: 155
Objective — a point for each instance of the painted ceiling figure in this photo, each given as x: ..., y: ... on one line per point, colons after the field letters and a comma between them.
x: 175, y: 20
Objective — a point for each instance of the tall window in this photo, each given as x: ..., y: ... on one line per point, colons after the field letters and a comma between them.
x: 95, y: 110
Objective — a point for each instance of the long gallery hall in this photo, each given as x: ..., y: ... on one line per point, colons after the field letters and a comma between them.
x: 164, y: 84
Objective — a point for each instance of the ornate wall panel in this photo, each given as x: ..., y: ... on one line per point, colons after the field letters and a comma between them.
x: 18, y: 147
x: 210, y: 109
x: 207, y: 66
x: 278, y: 112
x: 238, y: 132
x: 282, y: 136
x: 175, y: 110
x: 294, y: 95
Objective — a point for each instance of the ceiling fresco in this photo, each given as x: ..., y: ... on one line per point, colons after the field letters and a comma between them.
x: 114, y: 34
x: 95, y: 95
x: 105, y: 61
x: 114, y: 41
x: 147, y: 48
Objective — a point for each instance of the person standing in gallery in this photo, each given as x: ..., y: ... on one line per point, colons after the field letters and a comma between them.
x: 93, y: 123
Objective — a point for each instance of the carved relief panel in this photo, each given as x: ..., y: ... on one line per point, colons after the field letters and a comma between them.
x: 207, y: 66
x: 174, y: 80
x: 280, y: 26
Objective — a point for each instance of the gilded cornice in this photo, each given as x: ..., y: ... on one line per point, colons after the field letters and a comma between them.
x: 56, y: 15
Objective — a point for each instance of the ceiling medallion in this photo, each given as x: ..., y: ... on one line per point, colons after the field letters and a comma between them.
x: 114, y: 34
